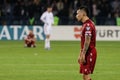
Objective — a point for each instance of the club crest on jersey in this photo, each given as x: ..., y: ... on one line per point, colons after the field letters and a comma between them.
x: 87, y: 28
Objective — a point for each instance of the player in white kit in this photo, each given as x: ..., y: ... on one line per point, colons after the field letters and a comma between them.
x: 48, y: 20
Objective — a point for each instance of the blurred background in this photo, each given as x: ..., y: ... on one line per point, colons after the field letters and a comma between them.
x: 17, y: 17
x: 27, y: 12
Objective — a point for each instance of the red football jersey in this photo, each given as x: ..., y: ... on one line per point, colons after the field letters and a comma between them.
x: 88, y: 28
x: 30, y: 36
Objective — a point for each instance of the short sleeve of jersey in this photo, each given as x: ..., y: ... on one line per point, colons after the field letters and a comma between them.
x: 88, y: 29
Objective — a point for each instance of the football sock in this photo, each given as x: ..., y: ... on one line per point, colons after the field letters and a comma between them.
x: 45, y: 43
x: 48, y: 43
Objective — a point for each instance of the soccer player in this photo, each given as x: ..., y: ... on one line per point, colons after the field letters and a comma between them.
x: 30, y: 40
x: 48, y: 20
x: 88, y: 53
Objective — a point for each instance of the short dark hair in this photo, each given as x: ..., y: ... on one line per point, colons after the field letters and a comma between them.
x: 49, y: 6
x: 85, y: 8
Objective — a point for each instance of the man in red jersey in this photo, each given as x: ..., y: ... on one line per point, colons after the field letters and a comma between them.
x: 88, y: 53
x: 30, y: 40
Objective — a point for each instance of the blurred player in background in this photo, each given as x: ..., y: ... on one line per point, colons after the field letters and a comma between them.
x: 88, y: 54
x: 30, y: 40
x: 48, y: 20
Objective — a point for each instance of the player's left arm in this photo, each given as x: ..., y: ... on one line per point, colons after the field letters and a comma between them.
x: 88, y: 34
x: 85, y: 48
x: 86, y: 43
x: 52, y: 20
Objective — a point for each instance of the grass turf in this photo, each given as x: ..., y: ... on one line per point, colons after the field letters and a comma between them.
x: 59, y: 63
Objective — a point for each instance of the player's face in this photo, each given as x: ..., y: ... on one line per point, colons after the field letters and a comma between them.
x: 30, y: 32
x: 79, y: 15
x: 49, y: 9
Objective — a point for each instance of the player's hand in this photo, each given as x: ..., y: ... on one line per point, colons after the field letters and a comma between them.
x: 82, y: 58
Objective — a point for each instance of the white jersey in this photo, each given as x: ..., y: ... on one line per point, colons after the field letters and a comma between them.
x: 47, y: 18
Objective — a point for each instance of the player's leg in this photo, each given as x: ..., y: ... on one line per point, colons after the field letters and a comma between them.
x: 26, y: 43
x: 45, y: 32
x: 85, y: 69
x: 47, y: 39
x: 83, y: 77
x: 86, y: 77
x: 91, y: 59
x: 33, y: 44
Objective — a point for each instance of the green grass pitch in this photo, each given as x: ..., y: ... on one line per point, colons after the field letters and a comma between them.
x: 60, y: 63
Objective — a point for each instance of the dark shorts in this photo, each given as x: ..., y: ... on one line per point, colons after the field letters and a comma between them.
x: 88, y: 67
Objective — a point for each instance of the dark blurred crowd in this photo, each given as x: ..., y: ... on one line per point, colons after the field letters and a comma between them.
x: 103, y: 12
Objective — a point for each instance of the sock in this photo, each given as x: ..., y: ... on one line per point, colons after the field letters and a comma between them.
x: 45, y: 43
x: 48, y: 43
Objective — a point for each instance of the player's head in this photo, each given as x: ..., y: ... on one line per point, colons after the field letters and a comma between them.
x: 82, y: 12
x: 49, y: 8
x: 30, y: 32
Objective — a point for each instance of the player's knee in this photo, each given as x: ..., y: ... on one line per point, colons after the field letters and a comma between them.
x: 26, y: 42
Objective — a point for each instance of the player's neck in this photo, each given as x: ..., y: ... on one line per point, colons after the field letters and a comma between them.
x: 84, y: 19
x: 48, y: 11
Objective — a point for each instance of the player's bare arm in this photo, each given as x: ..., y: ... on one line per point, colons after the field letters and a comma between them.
x: 85, y: 48
x: 86, y: 44
x: 34, y: 39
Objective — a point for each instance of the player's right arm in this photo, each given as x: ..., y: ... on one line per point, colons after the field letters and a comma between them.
x: 43, y: 18
x: 27, y: 39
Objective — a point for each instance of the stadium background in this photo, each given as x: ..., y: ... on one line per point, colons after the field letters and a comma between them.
x: 103, y: 12
x: 60, y: 63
